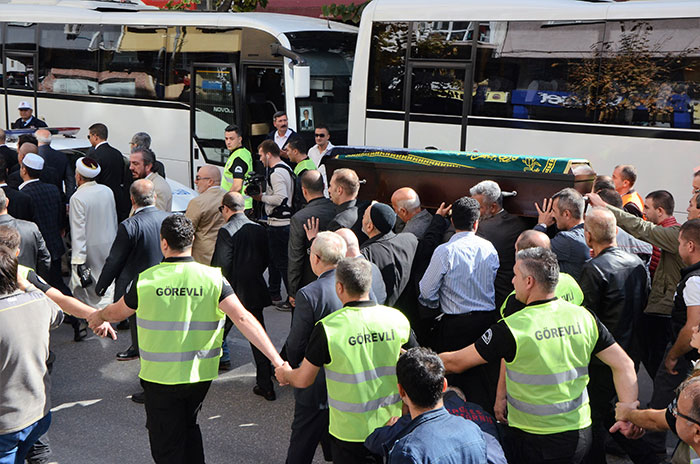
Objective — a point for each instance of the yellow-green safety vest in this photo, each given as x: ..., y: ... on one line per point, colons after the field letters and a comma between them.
x: 227, y: 180
x: 180, y: 325
x: 546, y: 380
x: 304, y: 165
x: 567, y: 289
x: 364, y: 345
x: 23, y: 270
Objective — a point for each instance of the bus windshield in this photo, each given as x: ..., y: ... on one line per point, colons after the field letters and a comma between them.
x: 330, y: 56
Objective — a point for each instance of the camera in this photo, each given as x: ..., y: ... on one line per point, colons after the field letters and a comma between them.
x: 254, y: 184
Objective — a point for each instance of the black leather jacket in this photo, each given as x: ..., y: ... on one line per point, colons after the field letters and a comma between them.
x: 615, y: 287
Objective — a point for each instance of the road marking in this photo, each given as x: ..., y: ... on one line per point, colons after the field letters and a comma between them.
x: 75, y: 403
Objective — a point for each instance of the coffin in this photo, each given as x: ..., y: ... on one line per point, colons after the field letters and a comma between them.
x: 443, y: 176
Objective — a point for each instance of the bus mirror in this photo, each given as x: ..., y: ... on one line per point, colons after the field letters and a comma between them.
x: 302, y: 81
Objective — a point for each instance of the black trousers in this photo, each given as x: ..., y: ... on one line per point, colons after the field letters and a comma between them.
x: 278, y: 238
x: 558, y: 448
x: 655, y: 333
x: 56, y: 277
x: 454, y: 332
x: 171, y: 420
x: 601, y: 391
x: 263, y: 367
x: 346, y: 452
x: 309, y: 428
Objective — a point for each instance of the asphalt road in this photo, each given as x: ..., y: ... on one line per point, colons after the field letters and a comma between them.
x: 94, y: 421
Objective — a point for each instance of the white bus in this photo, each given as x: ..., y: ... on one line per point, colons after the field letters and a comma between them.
x: 180, y: 76
x: 614, y: 83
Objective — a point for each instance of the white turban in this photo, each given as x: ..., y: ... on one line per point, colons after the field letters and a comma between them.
x: 87, y: 167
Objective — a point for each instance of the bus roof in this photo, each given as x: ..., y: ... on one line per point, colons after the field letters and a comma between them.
x: 542, y: 10
x: 273, y: 23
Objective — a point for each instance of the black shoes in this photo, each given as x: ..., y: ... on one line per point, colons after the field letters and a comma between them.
x: 224, y: 366
x: 128, y: 355
x: 139, y: 397
x: 268, y: 395
x: 79, y: 331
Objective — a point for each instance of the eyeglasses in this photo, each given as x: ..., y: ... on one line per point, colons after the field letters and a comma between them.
x: 673, y: 407
x: 221, y: 208
x: 320, y: 135
x: 88, y: 136
x: 197, y: 178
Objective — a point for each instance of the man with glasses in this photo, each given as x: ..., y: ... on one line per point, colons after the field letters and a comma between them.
x: 682, y: 417
x: 204, y: 213
x: 242, y: 253
x: 323, y: 144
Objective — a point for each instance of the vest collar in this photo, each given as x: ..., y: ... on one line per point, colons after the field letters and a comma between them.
x: 360, y: 304
x: 687, y: 270
x: 178, y: 259
x: 539, y: 302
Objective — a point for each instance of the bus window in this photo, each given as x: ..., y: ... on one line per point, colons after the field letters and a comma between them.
x: 529, y: 69
x: 20, y: 44
x: 330, y: 56
x: 649, y: 74
x: 437, y: 91
x: 264, y: 97
x: 187, y: 45
x: 69, y: 59
x: 441, y: 40
x: 387, y: 66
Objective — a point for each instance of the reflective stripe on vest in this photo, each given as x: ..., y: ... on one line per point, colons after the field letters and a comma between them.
x: 546, y: 380
x: 364, y: 344
x: 180, y: 326
x: 304, y: 165
x: 227, y: 178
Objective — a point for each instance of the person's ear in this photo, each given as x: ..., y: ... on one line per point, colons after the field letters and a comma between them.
x: 444, y: 385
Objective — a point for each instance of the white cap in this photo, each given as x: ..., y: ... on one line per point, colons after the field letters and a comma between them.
x: 33, y: 161
x: 87, y: 167
x: 24, y: 105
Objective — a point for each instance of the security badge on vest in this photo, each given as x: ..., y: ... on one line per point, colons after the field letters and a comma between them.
x: 180, y: 325
x: 546, y: 380
x: 364, y: 344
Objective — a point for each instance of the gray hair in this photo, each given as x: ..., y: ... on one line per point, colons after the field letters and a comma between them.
x: 355, y: 274
x: 41, y: 139
x: 490, y: 190
x: 541, y: 264
x: 329, y: 247
x: 601, y: 224
x: 410, y: 204
x: 570, y: 200
x: 141, y: 139
x: 143, y: 192
x: 3, y: 200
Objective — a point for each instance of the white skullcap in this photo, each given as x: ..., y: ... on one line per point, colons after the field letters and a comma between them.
x: 87, y: 167
x: 24, y: 105
x: 33, y: 161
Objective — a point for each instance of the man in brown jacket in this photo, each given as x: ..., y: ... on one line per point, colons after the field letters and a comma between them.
x: 204, y: 213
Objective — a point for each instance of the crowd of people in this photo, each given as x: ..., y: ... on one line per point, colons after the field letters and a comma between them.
x: 466, y: 335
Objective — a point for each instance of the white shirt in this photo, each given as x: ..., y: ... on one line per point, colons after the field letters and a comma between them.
x: 21, y: 186
x: 101, y: 143
x: 691, y: 292
x: 280, y: 141
x: 316, y: 154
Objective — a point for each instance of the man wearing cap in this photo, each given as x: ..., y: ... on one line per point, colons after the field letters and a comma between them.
x: 49, y: 213
x: 392, y: 253
x: 26, y: 118
x: 93, y: 224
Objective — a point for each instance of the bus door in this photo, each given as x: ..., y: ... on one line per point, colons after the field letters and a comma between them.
x: 17, y: 72
x: 437, y: 95
x: 263, y: 96
x: 213, y: 106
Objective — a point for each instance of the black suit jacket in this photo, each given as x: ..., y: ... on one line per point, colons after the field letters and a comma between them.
x: 49, y: 214
x: 10, y: 157
x: 135, y: 248
x: 502, y: 231
x: 298, y: 268
x: 32, y: 249
x: 112, y: 175
x: 242, y: 253
x: 20, y: 206
x: 64, y: 174
x: 393, y: 254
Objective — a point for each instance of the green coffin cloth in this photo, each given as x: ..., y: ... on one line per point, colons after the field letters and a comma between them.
x: 456, y: 159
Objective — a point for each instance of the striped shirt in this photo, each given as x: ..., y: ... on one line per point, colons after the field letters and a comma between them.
x: 460, y: 275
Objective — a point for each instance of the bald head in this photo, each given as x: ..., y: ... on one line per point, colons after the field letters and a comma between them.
x: 26, y: 148
x: 43, y: 136
x: 353, y: 245
x: 532, y: 239
x: 211, y: 172
x: 142, y: 193
x: 601, y: 226
x: 406, y: 203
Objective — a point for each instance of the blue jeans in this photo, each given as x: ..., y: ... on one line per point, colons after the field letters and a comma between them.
x: 15, y: 446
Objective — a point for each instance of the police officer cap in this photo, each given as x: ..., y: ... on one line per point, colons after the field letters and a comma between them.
x: 24, y: 105
x: 88, y: 167
x: 33, y: 161
x: 383, y: 217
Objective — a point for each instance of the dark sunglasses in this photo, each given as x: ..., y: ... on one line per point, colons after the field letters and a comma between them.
x: 221, y: 208
x: 320, y: 135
